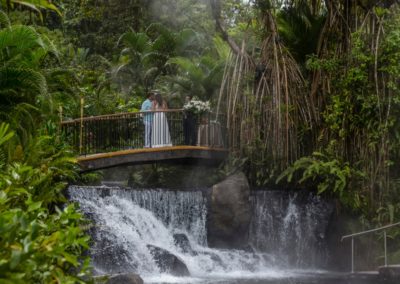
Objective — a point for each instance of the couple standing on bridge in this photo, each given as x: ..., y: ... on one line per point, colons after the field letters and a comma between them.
x: 156, y: 130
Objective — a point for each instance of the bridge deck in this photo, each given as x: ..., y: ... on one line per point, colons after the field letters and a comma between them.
x: 150, y: 155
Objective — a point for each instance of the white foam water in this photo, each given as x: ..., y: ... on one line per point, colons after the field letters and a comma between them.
x: 292, y: 226
x: 126, y: 221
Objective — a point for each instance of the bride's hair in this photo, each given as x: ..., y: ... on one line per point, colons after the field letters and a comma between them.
x: 159, y: 99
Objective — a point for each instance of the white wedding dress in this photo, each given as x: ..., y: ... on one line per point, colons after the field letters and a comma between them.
x: 160, y: 136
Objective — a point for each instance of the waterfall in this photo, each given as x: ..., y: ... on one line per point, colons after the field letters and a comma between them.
x: 292, y: 226
x: 127, y: 221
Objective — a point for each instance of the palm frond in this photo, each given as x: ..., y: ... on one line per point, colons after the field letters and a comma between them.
x: 3, y: 158
x: 157, y: 29
x: 30, y: 6
x: 189, y: 67
x: 22, y: 120
x: 49, y: 46
x: 222, y: 48
x: 150, y: 58
x: 18, y: 40
x: 5, y: 133
x: 37, y: 5
x: 135, y: 41
x: 151, y: 73
x: 185, y: 39
x: 4, y: 20
x: 44, y: 4
x: 21, y: 79
x: 164, y: 43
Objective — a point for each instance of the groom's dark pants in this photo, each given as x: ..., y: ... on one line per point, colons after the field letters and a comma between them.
x: 190, y: 129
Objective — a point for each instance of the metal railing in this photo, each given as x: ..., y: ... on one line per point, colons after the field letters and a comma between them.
x: 136, y: 130
x: 352, y: 236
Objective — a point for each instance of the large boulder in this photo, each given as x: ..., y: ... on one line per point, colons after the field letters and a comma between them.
x: 182, y: 241
x: 111, y: 257
x: 229, y: 213
x: 127, y: 278
x: 167, y: 262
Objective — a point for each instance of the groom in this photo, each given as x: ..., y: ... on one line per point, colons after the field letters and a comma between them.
x: 189, y: 125
x: 147, y: 119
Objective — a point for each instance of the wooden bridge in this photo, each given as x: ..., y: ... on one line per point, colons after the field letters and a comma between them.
x: 118, y: 139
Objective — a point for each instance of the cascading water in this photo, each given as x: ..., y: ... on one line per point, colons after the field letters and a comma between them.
x: 287, y: 231
x: 128, y: 221
x: 291, y: 226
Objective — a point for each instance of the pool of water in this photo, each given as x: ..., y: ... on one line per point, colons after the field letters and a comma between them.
x: 276, y: 277
x: 131, y: 224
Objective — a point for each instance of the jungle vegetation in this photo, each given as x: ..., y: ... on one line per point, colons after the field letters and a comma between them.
x: 310, y: 89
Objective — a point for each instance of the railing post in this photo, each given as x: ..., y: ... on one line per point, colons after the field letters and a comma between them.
x: 81, y: 128
x: 352, y: 255
x: 60, y: 114
x: 385, y: 245
x: 383, y: 228
x: 209, y: 130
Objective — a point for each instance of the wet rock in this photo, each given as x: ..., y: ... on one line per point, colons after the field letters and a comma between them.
x: 249, y: 248
x: 230, y: 213
x: 111, y: 257
x: 128, y: 278
x: 182, y: 241
x: 168, y: 262
x: 214, y: 257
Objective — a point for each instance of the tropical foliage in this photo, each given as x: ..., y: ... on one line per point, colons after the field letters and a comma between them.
x: 37, y: 6
x: 309, y: 88
x: 307, y: 92
x: 42, y: 240
x: 21, y: 51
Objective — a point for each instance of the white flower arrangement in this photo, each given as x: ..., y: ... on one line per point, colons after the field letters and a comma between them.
x: 197, y: 107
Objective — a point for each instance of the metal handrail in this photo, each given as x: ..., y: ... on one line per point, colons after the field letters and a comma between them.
x: 122, y: 114
x: 116, y: 115
x: 113, y: 132
x: 352, y: 236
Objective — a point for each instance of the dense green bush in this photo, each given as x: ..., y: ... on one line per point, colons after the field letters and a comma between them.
x: 41, y: 238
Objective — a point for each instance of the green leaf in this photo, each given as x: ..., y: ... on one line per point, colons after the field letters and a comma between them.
x: 34, y: 206
x: 5, y: 134
x: 15, y: 258
x: 70, y: 258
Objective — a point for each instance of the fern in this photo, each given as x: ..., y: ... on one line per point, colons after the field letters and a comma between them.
x: 326, y: 173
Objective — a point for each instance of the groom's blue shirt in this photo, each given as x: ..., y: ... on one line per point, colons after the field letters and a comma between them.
x: 146, y: 106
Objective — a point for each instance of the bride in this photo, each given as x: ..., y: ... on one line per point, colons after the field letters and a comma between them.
x: 160, y: 136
